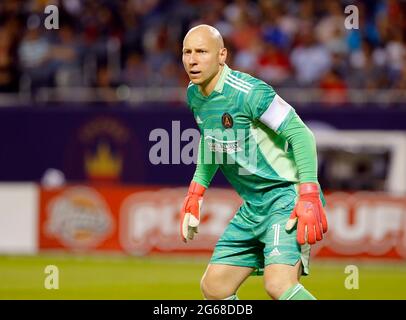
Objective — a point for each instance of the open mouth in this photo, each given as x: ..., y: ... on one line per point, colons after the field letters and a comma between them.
x: 194, y: 72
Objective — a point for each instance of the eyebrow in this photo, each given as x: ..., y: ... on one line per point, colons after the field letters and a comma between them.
x: 196, y: 49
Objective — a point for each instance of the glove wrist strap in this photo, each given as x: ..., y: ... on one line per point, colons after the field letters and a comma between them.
x: 308, y: 187
x: 196, y: 188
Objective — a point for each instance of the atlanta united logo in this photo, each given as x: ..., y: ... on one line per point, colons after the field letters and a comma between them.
x: 227, y: 120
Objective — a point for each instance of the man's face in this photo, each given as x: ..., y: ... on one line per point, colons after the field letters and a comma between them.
x: 201, y: 57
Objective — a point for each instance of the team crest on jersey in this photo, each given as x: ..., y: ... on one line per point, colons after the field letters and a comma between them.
x: 227, y: 120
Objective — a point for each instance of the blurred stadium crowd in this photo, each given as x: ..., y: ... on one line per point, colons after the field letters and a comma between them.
x: 138, y: 43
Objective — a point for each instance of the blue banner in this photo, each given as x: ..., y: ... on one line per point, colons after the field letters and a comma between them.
x: 152, y: 144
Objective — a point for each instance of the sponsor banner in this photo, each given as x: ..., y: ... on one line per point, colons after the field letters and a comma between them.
x: 133, y: 219
x: 92, y: 144
x: 143, y: 220
x: 77, y: 218
x: 364, y: 224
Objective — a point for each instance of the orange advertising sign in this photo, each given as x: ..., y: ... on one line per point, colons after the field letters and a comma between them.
x: 142, y: 220
x: 133, y: 219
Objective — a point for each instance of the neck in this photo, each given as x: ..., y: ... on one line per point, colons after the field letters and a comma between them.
x: 207, y: 88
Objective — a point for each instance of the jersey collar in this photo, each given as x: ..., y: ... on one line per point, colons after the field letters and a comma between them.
x: 220, y: 83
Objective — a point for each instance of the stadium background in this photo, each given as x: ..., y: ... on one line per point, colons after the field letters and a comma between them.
x: 96, y: 142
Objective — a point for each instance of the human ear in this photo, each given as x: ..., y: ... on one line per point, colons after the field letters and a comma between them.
x: 223, y: 56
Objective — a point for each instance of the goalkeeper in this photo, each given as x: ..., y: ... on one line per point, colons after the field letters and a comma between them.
x: 282, y: 212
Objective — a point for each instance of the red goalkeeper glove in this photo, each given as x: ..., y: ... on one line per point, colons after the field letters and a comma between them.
x: 309, y: 215
x: 190, y: 212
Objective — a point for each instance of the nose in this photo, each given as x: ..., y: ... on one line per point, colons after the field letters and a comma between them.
x: 192, y: 59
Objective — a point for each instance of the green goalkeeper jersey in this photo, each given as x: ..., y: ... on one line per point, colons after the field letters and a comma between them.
x: 249, y: 132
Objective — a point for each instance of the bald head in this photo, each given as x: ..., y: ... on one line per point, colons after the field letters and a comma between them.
x: 204, y: 56
x: 208, y: 33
